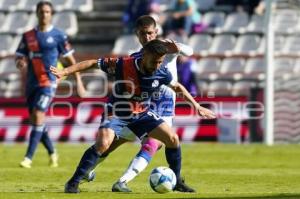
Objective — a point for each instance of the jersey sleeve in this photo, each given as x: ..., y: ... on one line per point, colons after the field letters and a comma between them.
x: 136, y: 54
x: 64, y: 47
x: 22, y: 49
x: 185, y: 49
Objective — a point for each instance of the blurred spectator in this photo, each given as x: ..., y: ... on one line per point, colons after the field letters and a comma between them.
x: 137, y: 8
x: 238, y: 5
x: 185, y: 74
x: 252, y: 5
x: 183, y: 14
x: 260, y: 8
x: 241, y: 5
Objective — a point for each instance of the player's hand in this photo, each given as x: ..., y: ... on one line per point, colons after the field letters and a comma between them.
x: 58, y: 73
x: 205, y: 113
x: 21, y: 63
x: 171, y: 45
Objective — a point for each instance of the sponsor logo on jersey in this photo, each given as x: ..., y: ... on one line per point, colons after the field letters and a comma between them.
x: 50, y: 40
x: 155, y: 83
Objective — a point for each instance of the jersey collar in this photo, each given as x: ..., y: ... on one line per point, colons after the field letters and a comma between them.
x: 48, y: 29
x: 137, y: 64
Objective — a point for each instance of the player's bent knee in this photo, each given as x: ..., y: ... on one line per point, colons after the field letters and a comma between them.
x: 37, y: 117
x: 173, y: 141
x: 102, y: 146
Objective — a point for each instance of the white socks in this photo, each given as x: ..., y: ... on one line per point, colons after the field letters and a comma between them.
x: 137, y: 165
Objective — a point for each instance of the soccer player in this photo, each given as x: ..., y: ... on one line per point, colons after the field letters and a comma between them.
x: 164, y: 105
x: 164, y: 102
x: 136, y: 80
x: 38, y: 50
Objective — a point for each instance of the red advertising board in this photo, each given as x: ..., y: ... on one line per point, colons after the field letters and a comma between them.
x: 77, y: 120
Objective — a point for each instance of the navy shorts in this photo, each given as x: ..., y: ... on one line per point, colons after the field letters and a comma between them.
x: 40, y: 99
x: 141, y: 124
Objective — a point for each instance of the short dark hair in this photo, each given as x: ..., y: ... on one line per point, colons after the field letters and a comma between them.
x: 145, y: 20
x: 40, y: 4
x: 156, y: 46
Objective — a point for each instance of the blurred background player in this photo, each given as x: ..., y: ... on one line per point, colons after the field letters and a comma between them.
x: 38, y: 50
x: 164, y: 101
x: 185, y: 73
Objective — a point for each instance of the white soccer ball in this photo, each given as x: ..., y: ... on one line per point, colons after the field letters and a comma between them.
x: 162, y: 179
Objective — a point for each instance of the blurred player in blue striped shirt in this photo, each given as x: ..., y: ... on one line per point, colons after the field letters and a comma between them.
x: 40, y: 48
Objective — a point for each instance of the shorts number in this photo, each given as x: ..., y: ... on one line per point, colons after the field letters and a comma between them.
x: 153, y: 115
x: 44, y: 101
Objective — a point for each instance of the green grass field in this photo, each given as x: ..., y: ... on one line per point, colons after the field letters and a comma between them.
x: 215, y: 170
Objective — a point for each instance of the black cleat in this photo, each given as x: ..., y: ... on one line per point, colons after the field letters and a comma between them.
x: 71, y: 187
x: 182, y: 187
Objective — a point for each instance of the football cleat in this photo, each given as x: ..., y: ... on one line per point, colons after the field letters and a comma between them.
x: 182, y: 187
x: 26, y: 163
x: 53, y: 160
x: 71, y: 187
x: 120, y: 187
x: 89, y: 177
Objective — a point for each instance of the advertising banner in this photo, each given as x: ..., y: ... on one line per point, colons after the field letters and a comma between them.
x: 77, y: 120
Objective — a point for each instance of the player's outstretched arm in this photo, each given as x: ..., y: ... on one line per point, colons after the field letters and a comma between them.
x: 73, y: 68
x: 203, y: 112
x: 81, y: 91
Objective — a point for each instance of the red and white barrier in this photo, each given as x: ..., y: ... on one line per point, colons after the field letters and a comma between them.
x: 77, y: 120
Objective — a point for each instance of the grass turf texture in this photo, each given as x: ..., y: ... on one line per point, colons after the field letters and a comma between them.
x: 214, y: 170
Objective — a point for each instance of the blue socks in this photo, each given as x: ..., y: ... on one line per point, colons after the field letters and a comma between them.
x: 37, y: 134
x: 89, y: 160
x: 45, y: 139
x: 35, y: 137
x: 145, y: 155
x: 173, y: 156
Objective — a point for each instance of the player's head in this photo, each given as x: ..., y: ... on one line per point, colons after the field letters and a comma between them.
x: 153, y: 55
x: 145, y: 29
x: 44, y: 12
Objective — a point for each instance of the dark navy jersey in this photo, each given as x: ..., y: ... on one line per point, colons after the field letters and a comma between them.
x: 42, y: 50
x: 132, y: 86
x: 163, y: 100
x: 137, y: 54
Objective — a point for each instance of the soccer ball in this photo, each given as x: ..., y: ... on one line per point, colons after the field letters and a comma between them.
x: 162, y: 180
